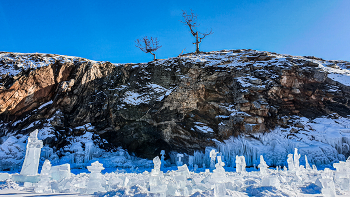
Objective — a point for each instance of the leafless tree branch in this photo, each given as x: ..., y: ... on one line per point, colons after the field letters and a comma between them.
x: 191, y: 21
x: 204, y: 35
x: 148, y: 45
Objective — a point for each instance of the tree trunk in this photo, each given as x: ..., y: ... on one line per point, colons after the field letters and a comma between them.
x: 197, y: 43
x: 154, y: 55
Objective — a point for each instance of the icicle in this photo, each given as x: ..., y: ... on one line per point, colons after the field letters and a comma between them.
x: 290, y: 162
x: 307, y: 165
x: 296, y: 159
x: 88, y: 151
x: 162, y: 153
x: 179, y: 162
x: 213, y: 154
x: 190, y: 161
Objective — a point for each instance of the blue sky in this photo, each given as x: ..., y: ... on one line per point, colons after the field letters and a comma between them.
x: 107, y: 30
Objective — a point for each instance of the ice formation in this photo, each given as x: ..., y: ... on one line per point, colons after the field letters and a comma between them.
x: 263, y: 166
x: 213, y: 154
x: 179, y: 162
x: 156, y: 184
x: 60, y: 172
x: 180, y: 179
x: 4, y: 176
x: 219, y: 178
x: 190, y: 161
x: 296, y: 159
x: 162, y: 153
x: 326, y: 182
x: 342, y: 174
x: 195, y: 168
x: 31, y: 161
x: 95, y: 178
x: 290, y: 162
x: 219, y: 171
x: 44, y: 185
x: 307, y: 165
x: 240, y: 164
x: 182, y: 182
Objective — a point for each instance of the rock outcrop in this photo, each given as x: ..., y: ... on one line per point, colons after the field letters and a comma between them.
x: 182, y: 104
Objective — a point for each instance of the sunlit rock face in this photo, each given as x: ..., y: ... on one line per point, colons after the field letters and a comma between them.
x: 183, y: 104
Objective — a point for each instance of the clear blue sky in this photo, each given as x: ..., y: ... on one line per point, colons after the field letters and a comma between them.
x: 107, y: 30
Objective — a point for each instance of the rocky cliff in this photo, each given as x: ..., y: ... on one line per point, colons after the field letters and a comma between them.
x: 183, y: 104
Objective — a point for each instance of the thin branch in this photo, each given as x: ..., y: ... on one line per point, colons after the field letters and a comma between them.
x: 204, y: 35
x: 190, y: 20
x: 148, y: 45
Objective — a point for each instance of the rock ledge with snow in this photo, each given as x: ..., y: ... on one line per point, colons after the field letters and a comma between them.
x: 182, y: 104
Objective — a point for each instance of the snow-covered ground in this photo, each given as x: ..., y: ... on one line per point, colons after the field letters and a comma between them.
x: 297, y: 180
x: 322, y: 140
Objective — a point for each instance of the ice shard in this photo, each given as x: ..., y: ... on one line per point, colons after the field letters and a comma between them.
x: 240, y: 164
x: 44, y: 185
x: 156, y: 182
x: 263, y: 166
x: 296, y: 159
x: 307, y: 165
x: 190, y: 161
x: 179, y: 162
x: 290, y: 162
x: 31, y: 160
x: 212, y: 155
x: 162, y: 153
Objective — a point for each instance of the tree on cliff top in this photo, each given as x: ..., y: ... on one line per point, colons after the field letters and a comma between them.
x: 148, y: 45
x: 191, y: 21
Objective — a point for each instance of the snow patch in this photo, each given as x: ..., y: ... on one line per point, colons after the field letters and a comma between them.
x: 45, y: 104
x: 203, y: 128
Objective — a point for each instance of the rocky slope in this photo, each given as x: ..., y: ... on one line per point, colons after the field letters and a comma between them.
x: 183, y: 104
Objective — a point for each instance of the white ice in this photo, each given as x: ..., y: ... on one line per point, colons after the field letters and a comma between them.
x: 182, y: 182
x: 31, y: 161
x: 95, y: 178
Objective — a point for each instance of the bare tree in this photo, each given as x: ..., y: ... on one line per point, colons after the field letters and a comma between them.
x: 191, y: 21
x: 148, y: 45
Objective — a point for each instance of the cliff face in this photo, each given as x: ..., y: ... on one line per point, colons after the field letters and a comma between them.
x: 182, y: 104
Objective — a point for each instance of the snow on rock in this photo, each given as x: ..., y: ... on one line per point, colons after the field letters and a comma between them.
x: 150, y: 91
x: 12, y: 152
x: 249, y: 103
x: 134, y: 98
x: 14, y: 63
x: 203, y: 128
x: 339, y: 73
x: 45, y: 104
